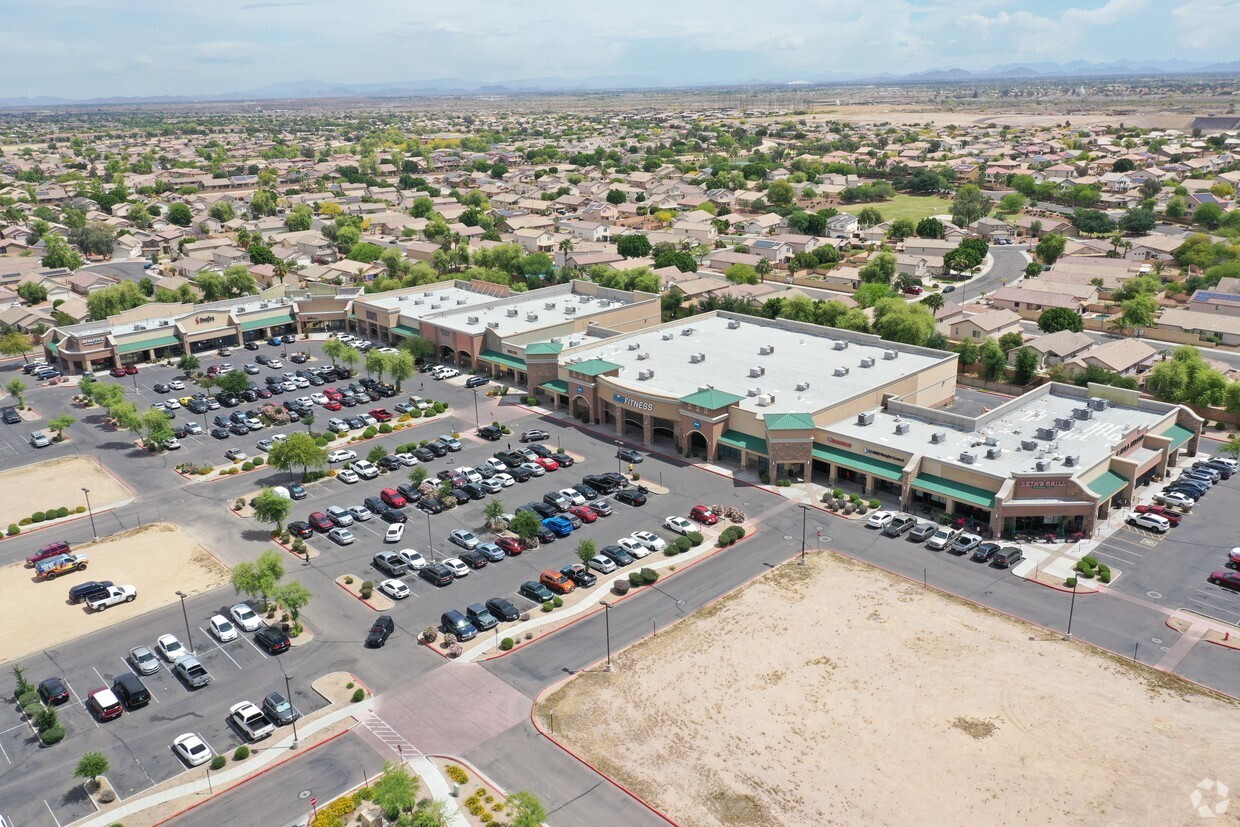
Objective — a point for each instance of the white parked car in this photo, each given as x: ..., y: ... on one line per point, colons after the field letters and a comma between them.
x: 222, y: 628
x: 534, y: 468
x: 406, y: 458
x: 395, y: 533
x: 505, y: 479
x: 192, y: 749
x: 650, y: 540
x: 176, y: 385
x: 679, y: 525
x: 245, y: 617
x: 172, y: 405
x: 341, y: 536
x: 1175, y: 498
x: 1153, y: 522
x: 880, y: 519
x: 635, y: 549
x: 394, y: 589
x: 366, y: 469
x: 342, y: 455
x: 360, y: 513
x: 347, y: 476
x: 457, y: 566
x: 602, y: 564
x: 171, y: 648
x: 412, y: 559
x: 340, y: 515
x: 574, y: 497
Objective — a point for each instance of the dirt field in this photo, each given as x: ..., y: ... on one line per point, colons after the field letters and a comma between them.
x: 840, y: 695
x: 40, y: 616
x: 56, y: 483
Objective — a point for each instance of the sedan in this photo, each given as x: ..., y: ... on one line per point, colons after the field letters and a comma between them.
x: 921, y: 532
x: 1176, y: 499
x: 53, y: 691
x: 984, y: 552
x: 348, y: 476
x: 965, y: 544
x: 512, y: 546
x: 651, y: 541
x: 1226, y: 579
x: 395, y: 532
x: 630, y: 496
x: 492, y: 552
x: 343, y: 455
x: 456, y: 566
x: 380, y: 631
x: 360, y: 513
x: 601, y: 508
x: 533, y: 590
x: 678, y: 525
x: 341, y: 536
x: 170, y: 648
x: 144, y: 660
x: 192, y: 749
x: 222, y: 628
x: 584, y: 513
x: 631, y: 547
x: 236, y: 454
x: 394, y: 589
x: 879, y: 519
x: 603, y: 565
x: 245, y: 617
x: 629, y: 455
x: 502, y: 609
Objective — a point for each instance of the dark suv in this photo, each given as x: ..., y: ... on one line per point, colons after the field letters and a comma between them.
x: 437, y: 574
x: 380, y: 631
x: 131, y: 690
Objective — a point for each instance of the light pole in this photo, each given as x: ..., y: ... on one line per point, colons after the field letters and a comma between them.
x: 804, y: 513
x: 430, y: 542
x: 189, y: 636
x: 607, y: 624
x: 288, y: 696
x: 477, y: 420
x: 1071, y: 609
x: 90, y: 513
x: 619, y: 445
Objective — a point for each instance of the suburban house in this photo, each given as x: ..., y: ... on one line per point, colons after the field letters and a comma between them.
x: 1056, y: 348
x: 1194, y: 326
x: 843, y: 225
x: 1030, y: 302
x: 991, y: 324
x: 1126, y: 357
x: 1223, y: 298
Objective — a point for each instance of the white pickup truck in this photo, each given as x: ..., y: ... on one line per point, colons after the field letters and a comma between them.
x: 113, y: 595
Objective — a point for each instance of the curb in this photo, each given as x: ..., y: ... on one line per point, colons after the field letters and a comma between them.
x: 481, y: 776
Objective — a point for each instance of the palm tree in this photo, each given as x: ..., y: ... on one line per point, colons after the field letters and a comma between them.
x: 566, y: 246
x: 1119, y: 326
x: 934, y: 301
x: 1231, y: 447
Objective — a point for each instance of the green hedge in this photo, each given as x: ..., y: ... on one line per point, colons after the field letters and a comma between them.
x: 53, y: 735
x: 370, y: 433
x: 385, y: 428
x: 506, y: 644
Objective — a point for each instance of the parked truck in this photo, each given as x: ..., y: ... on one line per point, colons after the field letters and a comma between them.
x: 53, y: 567
x: 113, y: 595
x: 192, y: 672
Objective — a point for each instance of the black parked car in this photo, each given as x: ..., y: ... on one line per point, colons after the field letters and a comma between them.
x: 490, y: 432
x: 539, y: 450
x: 438, y: 448
x: 219, y: 433
x: 473, y: 559
x: 984, y: 552
x: 389, y: 463
x: 461, y: 495
x: 616, y: 555
x: 437, y: 574
x: 585, y: 490
x: 503, y: 609
x: 83, y: 591
x: 474, y: 490
x: 431, y: 505
x: 630, y: 496
x: 564, y: 460
x: 380, y: 631
x: 300, y: 528
x: 423, y: 454
x: 410, y: 492
x: 131, y: 691
x: 520, y: 474
x: 393, y: 515
x: 272, y: 639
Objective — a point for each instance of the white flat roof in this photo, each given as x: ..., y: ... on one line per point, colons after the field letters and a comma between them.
x: 800, y: 354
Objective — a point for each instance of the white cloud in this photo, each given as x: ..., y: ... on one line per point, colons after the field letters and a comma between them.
x: 1112, y: 12
x: 1208, y: 24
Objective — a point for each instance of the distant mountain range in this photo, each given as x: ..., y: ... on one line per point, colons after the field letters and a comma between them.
x: 311, y: 89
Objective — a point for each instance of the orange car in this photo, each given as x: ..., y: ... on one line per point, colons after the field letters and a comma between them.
x: 558, y: 583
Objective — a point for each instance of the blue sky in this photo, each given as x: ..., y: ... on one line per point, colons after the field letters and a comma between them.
x: 101, y: 48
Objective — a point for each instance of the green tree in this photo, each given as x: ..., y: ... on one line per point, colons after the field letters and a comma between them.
x: 525, y: 810
x: 299, y: 219
x: 1232, y: 447
x: 898, y: 321
x: 57, y: 253
x: 1056, y: 319
x: 292, y: 597
x: 537, y: 264
x: 742, y: 274
x: 32, y: 292
x: 60, y: 424
x: 493, y: 510
x: 1169, y: 381
x: 375, y: 363
x: 780, y: 193
x: 585, y: 551
x: 350, y: 356
x: 1050, y: 248
x: 260, y: 577
x: 1140, y: 311
x: 139, y: 216
x: 870, y: 294
x: 1011, y: 341
x: 881, y: 269
x: 15, y: 343
x: 901, y: 228
x: 400, y: 367
x: 930, y: 228
x: 1092, y: 222
x: 525, y: 525
x: 222, y: 211
x: 682, y: 261
x: 1012, y: 202
x: 969, y: 205
x: 298, y: 451
x: 1033, y: 270
x: 180, y: 214
x: 994, y: 360
x: 239, y: 281
x: 968, y: 352
x: 1209, y: 215
x: 418, y: 347
x: 1177, y: 207
x: 189, y: 363
x: 616, y: 197
x: 155, y: 426
x: 95, y: 238
x: 262, y: 204
x: 934, y: 301
x: 234, y: 382
x: 396, y: 791
x: 270, y: 507
x: 114, y: 299
x: 418, y: 475
x: 91, y: 766
x: 869, y: 217
x: 17, y: 389
x: 261, y: 254
x: 1138, y: 221
x: 1026, y: 365
x: 332, y: 349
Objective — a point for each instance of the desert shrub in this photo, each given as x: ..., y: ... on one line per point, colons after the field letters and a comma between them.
x: 683, y: 544
x: 241, y: 753
x: 38, y: 517
x: 430, y: 634
x: 62, y: 512
x: 385, y: 428
x: 81, y: 509
x: 415, y: 414
x: 783, y: 483
x: 456, y: 774
x: 348, y: 580
x: 454, y: 649
x: 506, y: 644
x: 367, y: 592
x: 370, y: 432
x: 557, y: 601
x: 837, y: 493
x: 875, y: 503
x: 621, y: 586
x: 1070, y: 582
x: 359, y: 695
x: 28, y: 698
x: 53, y: 735
x: 636, y: 579
x: 14, y: 530
x: 218, y: 762
x: 548, y: 606
x: 24, y: 521
x: 247, y: 466
x: 258, y: 461
x: 648, y: 576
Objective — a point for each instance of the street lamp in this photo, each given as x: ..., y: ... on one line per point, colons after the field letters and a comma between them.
x: 619, y: 445
x: 607, y: 623
x: 90, y: 513
x: 189, y: 636
x: 804, y: 513
x: 430, y: 542
x: 288, y: 696
x: 477, y: 421
x: 1071, y: 609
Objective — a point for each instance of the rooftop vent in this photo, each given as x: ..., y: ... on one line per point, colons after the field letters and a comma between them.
x: 513, y: 312
x: 968, y: 457
x: 493, y: 325
x: 1043, y: 464
x: 472, y: 320
x: 641, y: 357
x: 839, y: 344
x: 1098, y: 403
x: 841, y: 371
x: 635, y: 345
x: 402, y: 298
x: 164, y: 323
x: 419, y: 301
x: 755, y: 372
x: 139, y: 327
x: 990, y: 440
x: 531, y: 317
x: 555, y: 340
x: 462, y: 301
x: 902, y: 427
x: 766, y: 350
x: 584, y: 299
x: 434, y: 307
x: 890, y: 354
x: 604, y: 303
x: 643, y: 375
x: 667, y: 337
x: 802, y: 386
x: 1048, y: 433
x: 1028, y: 445
x: 765, y: 400
x: 1072, y: 460
x: 867, y: 362
x: 1064, y: 423
x: 570, y: 311
x: 994, y: 452
x: 696, y: 358
x: 753, y: 391
x: 1083, y: 413
x: 263, y: 305
x: 688, y: 331
x: 938, y: 437
x: 549, y: 306
x: 733, y: 324
x: 866, y: 418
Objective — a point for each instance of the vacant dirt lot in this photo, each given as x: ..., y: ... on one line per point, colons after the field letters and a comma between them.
x: 57, y: 483
x: 839, y: 695
x: 39, y: 615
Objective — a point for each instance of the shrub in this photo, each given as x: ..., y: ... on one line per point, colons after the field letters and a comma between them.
x: 28, y: 698
x: 359, y: 695
x: 636, y: 579
x: 557, y: 601
x: 430, y: 634
x: 24, y: 521
x: 855, y: 499
x: 53, y: 735
x: 683, y: 544
x: 531, y: 400
x: 46, y: 718
x: 635, y: 476
x: 621, y: 586
x: 38, y: 517
x: 1070, y: 582
x: 548, y: 606
x: 348, y: 579
x: 247, y: 466
x: 370, y: 432
x: 456, y: 774
x: 838, y: 493
x: 783, y: 483
x: 218, y: 762
x: 695, y: 538
x: 1091, y: 560
x: 415, y: 414
x: 366, y: 592
x: 81, y: 509
x: 454, y: 650
x: 385, y: 428
x: 875, y: 503
x: 649, y: 576
x: 764, y: 477
x: 258, y: 461
x: 14, y: 530
x: 1219, y: 426
x: 33, y: 709
x: 506, y: 644
x: 241, y: 753
x: 62, y: 512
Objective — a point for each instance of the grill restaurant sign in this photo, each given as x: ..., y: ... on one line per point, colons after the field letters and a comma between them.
x: 203, y: 319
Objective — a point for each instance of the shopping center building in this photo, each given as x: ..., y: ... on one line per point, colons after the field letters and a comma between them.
x: 800, y: 402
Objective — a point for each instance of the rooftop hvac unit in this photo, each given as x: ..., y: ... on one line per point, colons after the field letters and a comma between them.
x: 866, y: 418
x: 1028, y: 445
x: 766, y: 350
x: 802, y: 386
x: 643, y: 375
x: 867, y: 362
x: 583, y: 299
x: 459, y: 302
x: 635, y: 346
x: 165, y: 323
x: 991, y: 440
x: 1064, y: 423
x: 696, y: 358
x: 570, y: 311
x: 434, y: 307
x: 555, y: 340
x: 765, y: 400
x: 402, y: 298
x: 890, y: 354
x: 549, y: 306
x: 1098, y: 403
x: 1048, y: 433
x: 493, y: 325
x: 733, y: 324
x: 1083, y: 413
x: 139, y: 327
x: 688, y: 331
x: 512, y: 311
x: 753, y: 391
x: 839, y: 344
x: 902, y: 427
x: 263, y: 305
x: 604, y: 303
x: 667, y: 337
x: 841, y: 371
x: 968, y: 457
x: 531, y: 317
x: 994, y: 452
x: 1043, y: 464
x: 1072, y: 460
x: 422, y: 301
x: 705, y: 388
x: 938, y: 437
x: 472, y: 320
x: 641, y: 357
x: 755, y: 372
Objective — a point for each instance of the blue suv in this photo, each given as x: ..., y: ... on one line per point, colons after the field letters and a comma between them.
x: 560, y: 525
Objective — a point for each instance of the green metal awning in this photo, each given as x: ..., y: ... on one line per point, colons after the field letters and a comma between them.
x: 594, y: 367
x: 789, y: 422
x: 52, y: 346
x: 859, y: 462
x: 149, y: 344
x: 557, y: 385
x: 711, y: 399
x: 1107, y: 485
x: 256, y: 324
x: 738, y: 440
x: 544, y: 349
x: 958, y: 491
x: 406, y: 331
x: 502, y: 359
x: 1179, y: 435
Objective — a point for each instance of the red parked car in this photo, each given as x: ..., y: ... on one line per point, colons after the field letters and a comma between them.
x: 548, y: 463
x: 511, y: 545
x: 131, y: 370
x: 104, y: 703
x: 120, y: 372
x: 393, y: 498
x: 49, y: 550
x: 332, y: 405
x: 332, y: 393
x: 583, y: 512
x: 703, y: 515
x: 1173, y: 517
x: 381, y: 415
x: 320, y: 522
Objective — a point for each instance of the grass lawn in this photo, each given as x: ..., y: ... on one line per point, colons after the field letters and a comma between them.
x: 915, y: 207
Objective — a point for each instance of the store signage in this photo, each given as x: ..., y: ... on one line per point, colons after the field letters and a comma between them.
x: 580, y: 389
x: 633, y: 403
x: 94, y: 340
x: 1132, y: 441
x: 891, y: 457
x: 833, y: 441
x: 372, y: 316
x: 203, y: 319
x: 1041, y: 486
x: 697, y: 426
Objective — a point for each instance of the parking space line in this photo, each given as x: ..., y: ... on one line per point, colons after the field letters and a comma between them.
x: 256, y: 649
x: 102, y: 679
x: 5, y: 754
x: 219, y: 647
x: 131, y: 671
x: 51, y: 812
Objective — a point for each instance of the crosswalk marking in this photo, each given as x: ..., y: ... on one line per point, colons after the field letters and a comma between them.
x: 390, y: 737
